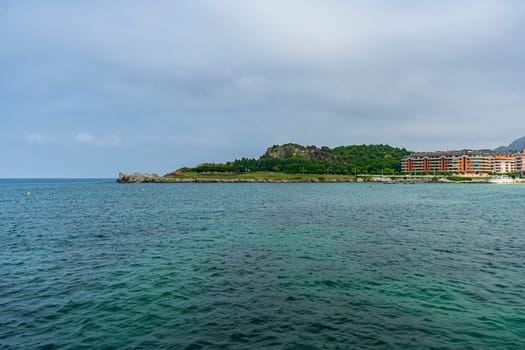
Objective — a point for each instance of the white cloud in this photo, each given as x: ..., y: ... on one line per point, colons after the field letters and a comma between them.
x: 87, y: 138
x: 35, y: 138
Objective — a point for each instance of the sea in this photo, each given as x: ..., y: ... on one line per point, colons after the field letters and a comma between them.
x: 92, y: 264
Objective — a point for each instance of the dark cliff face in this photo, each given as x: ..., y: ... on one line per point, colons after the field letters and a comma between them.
x: 291, y: 150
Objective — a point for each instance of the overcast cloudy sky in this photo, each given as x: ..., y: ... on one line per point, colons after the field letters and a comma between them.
x: 90, y: 88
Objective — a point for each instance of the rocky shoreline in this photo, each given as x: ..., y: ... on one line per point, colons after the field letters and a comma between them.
x: 155, y: 178
x: 138, y: 177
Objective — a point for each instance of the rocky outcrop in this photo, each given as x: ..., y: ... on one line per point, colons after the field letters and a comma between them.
x: 138, y: 177
x: 291, y: 150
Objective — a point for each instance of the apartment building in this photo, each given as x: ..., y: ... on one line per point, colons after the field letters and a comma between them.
x: 520, y: 162
x: 504, y: 164
x: 463, y: 162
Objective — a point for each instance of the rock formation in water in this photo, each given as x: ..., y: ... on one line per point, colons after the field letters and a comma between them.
x: 138, y: 177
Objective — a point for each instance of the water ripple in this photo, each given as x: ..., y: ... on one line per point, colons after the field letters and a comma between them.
x: 87, y: 264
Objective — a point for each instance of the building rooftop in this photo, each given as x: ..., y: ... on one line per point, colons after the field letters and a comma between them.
x: 463, y: 152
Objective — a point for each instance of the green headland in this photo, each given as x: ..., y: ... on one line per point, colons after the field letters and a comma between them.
x: 296, y: 163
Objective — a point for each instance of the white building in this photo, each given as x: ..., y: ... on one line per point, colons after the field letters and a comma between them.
x: 504, y: 163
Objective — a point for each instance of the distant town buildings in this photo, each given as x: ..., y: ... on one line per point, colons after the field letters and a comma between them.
x: 464, y: 162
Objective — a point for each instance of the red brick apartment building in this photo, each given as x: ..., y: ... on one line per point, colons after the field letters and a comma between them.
x: 463, y: 162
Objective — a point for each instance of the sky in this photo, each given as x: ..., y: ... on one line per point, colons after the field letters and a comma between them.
x: 92, y: 88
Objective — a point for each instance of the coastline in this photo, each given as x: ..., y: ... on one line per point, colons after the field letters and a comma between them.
x: 267, y: 177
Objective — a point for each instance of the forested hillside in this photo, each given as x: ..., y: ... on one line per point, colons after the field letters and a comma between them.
x: 293, y: 159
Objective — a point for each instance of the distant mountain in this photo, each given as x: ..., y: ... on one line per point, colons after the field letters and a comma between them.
x: 516, y: 145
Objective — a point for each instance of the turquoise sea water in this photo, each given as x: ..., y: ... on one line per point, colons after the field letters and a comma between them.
x: 95, y: 264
